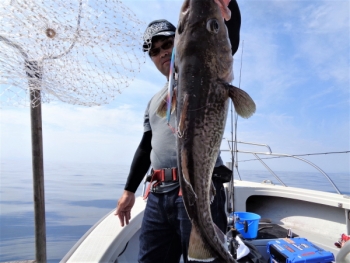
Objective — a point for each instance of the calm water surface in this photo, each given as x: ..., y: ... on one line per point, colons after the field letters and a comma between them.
x: 77, y: 196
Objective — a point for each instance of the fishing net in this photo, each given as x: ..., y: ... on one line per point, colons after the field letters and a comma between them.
x: 79, y: 52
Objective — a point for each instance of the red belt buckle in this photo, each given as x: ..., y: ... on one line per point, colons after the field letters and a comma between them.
x: 162, y: 175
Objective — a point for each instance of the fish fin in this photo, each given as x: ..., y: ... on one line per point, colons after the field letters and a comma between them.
x: 198, y: 250
x: 181, y: 126
x: 212, y: 192
x: 173, y: 103
x: 187, y: 183
x: 244, y: 104
x: 171, y: 106
x: 163, y: 106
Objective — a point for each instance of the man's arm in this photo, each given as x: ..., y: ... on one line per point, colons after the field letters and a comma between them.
x: 140, y: 164
x: 139, y: 167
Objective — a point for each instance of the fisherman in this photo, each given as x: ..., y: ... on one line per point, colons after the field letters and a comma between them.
x: 166, y: 227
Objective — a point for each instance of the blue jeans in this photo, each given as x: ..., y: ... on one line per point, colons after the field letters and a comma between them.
x: 166, y: 228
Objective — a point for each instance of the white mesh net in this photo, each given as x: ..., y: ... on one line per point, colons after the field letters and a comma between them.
x: 80, y: 52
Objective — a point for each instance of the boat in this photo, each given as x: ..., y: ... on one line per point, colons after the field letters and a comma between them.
x: 320, y: 217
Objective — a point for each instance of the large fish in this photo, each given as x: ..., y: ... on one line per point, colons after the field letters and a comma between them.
x: 204, y: 66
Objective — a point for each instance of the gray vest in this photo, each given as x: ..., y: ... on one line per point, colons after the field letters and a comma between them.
x: 163, y: 154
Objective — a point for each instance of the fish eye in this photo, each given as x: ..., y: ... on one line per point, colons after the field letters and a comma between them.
x: 213, y: 26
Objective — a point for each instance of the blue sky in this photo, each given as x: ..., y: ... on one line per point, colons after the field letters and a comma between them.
x: 295, y: 65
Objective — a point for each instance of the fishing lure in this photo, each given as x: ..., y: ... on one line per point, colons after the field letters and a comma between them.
x: 171, y: 86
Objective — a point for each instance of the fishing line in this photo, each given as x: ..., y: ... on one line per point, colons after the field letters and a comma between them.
x: 234, y: 155
x: 236, y: 116
x: 202, y: 107
x: 173, y: 130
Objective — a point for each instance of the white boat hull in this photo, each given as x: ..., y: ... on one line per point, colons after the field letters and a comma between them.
x: 321, y: 217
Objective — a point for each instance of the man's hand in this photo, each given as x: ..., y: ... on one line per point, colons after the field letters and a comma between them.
x: 225, y: 11
x: 125, y: 203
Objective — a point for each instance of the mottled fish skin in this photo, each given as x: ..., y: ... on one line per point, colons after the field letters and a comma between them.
x: 204, y: 67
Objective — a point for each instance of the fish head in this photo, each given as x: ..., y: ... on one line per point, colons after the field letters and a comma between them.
x: 202, y: 41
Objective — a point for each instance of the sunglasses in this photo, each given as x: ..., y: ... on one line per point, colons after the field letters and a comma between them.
x: 166, y: 45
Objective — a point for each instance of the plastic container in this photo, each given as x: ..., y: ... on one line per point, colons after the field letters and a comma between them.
x: 247, y: 224
x: 297, y: 250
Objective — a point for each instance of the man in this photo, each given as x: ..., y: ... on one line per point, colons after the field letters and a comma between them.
x: 166, y: 227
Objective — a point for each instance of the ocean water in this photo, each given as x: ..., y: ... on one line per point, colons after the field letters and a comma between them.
x: 78, y: 195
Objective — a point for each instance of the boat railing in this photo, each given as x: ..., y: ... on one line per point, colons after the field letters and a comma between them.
x: 270, y: 153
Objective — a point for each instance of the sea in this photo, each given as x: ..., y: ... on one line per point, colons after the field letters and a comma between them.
x: 78, y: 195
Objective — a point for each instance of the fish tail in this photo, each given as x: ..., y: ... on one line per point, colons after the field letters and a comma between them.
x: 198, y: 249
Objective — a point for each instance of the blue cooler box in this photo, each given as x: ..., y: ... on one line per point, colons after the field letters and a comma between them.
x: 295, y: 250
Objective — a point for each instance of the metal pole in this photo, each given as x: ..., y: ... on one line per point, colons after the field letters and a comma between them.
x: 35, y: 73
